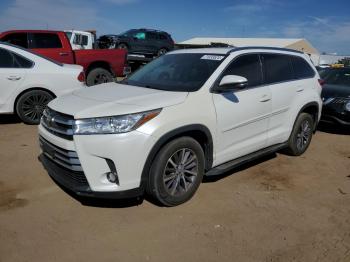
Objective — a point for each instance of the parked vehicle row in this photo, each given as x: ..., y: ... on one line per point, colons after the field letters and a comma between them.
x: 29, y: 81
x: 100, y: 66
x: 187, y: 114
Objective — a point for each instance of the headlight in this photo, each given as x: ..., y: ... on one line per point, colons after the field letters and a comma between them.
x: 347, y: 106
x: 113, y: 124
x: 326, y: 101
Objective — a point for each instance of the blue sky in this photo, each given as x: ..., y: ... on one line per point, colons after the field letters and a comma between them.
x: 326, y: 24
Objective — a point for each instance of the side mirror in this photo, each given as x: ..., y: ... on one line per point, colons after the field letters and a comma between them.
x: 231, y: 83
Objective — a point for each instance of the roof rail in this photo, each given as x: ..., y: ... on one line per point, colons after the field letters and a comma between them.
x: 265, y: 48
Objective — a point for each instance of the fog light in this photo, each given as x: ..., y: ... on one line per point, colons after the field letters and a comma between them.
x: 112, y: 177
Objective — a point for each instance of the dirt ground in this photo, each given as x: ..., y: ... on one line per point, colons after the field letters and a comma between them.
x: 280, y: 208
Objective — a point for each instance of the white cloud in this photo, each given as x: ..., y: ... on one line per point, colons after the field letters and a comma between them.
x: 326, y: 33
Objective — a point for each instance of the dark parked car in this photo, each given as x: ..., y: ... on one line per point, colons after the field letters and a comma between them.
x: 336, y: 96
x: 145, y: 42
x: 106, y: 41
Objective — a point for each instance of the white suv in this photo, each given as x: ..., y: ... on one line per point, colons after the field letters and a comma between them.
x: 187, y: 114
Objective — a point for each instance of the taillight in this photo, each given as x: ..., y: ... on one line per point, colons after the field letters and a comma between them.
x: 81, y: 77
x: 321, y: 82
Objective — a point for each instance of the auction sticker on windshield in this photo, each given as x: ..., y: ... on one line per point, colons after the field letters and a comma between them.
x: 213, y: 57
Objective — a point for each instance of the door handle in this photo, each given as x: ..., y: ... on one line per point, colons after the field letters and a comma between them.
x: 14, y: 78
x: 63, y: 54
x: 300, y: 89
x: 265, y: 98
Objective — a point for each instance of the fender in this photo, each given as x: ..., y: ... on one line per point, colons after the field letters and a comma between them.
x: 316, y: 116
x: 184, y: 130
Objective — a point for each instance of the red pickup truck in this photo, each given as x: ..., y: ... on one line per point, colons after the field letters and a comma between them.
x: 100, y: 65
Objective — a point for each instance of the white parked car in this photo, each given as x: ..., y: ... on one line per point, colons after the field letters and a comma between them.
x: 187, y: 114
x: 28, y: 82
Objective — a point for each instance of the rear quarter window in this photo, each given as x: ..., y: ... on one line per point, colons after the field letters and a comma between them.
x: 301, y: 68
x: 18, y: 39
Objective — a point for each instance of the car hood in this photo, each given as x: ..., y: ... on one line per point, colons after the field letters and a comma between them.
x: 114, y: 99
x: 335, y: 91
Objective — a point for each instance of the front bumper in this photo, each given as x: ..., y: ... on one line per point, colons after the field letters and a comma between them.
x: 73, y: 181
x: 90, y: 156
x: 336, y: 115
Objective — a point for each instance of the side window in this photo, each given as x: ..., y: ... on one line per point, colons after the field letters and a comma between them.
x: 22, y: 62
x: 84, y: 40
x: 46, y: 40
x: 247, y: 66
x: 152, y: 36
x: 7, y: 59
x: 277, y: 68
x: 18, y: 39
x: 140, y: 35
x: 301, y: 68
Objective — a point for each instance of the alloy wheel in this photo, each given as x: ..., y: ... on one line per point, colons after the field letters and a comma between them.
x: 34, y: 106
x: 304, y: 135
x: 180, y: 172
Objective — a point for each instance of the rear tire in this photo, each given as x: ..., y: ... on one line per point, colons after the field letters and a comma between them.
x: 176, y: 172
x: 162, y: 51
x: 98, y: 76
x: 30, y: 106
x: 301, y: 135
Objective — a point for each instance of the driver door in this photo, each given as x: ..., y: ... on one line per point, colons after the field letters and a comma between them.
x: 243, y: 115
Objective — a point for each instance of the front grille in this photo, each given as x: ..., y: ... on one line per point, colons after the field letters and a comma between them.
x: 67, y: 159
x: 58, y: 123
x: 339, y: 103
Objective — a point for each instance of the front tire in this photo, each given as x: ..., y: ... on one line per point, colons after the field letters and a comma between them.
x: 301, y: 135
x: 30, y: 106
x: 176, y: 172
x: 98, y: 76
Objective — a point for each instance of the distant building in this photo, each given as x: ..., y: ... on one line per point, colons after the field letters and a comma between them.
x: 331, y: 59
x: 298, y: 44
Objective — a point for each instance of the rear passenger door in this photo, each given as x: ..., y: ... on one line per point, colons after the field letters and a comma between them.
x: 51, y: 46
x: 286, y: 90
x: 242, y: 115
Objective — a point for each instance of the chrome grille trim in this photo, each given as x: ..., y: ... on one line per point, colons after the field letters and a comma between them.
x: 58, y: 123
x: 65, y: 158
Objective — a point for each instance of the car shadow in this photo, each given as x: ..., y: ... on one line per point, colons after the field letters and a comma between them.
x: 101, y: 202
x: 9, y: 119
x: 333, y: 129
x: 237, y: 169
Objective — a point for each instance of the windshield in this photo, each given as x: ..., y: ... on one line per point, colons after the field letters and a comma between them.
x: 176, y: 72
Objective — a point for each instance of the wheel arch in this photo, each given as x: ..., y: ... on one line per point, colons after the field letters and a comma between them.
x: 197, y: 131
x: 311, y: 108
x: 99, y: 64
x: 29, y: 90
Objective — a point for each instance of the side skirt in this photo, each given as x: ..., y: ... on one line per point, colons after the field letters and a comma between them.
x: 219, y: 170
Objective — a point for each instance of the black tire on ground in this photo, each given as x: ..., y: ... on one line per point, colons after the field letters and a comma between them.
x: 176, y: 172
x: 162, y: 51
x: 30, y: 106
x: 98, y: 76
x: 301, y: 135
